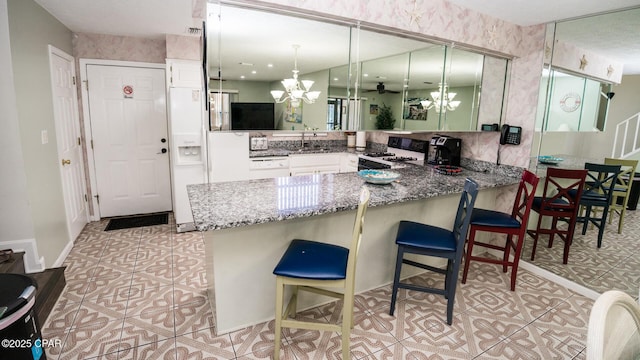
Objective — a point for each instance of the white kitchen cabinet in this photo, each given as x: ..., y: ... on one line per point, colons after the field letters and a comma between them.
x: 305, y: 164
x: 184, y: 73
x: 349, y: 163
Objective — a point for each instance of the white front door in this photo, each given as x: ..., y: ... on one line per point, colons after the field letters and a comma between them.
x: 127, y: 106
x: 65, y: 113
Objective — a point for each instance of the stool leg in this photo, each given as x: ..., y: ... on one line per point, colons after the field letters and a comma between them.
x: 554, y: 227
x: 396, y: 279
x: 535, y: 238
x: 347, y: 317
x: 278, y: 325
x: 586, y: 220
x: 450, y: 289
x: 507, y: 252
x: 467, y: 257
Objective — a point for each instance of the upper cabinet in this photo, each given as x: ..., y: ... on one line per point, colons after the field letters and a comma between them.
x: 330, y: 74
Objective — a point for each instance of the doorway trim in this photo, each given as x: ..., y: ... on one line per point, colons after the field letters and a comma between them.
x: 86, y: 118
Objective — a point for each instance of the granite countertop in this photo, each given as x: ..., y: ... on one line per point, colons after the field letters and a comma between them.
x: 242, y: 203
x: 569, y: 162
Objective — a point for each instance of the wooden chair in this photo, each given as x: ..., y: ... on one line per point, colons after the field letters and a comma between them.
x: 514, y: 224
x: 597, y: 193
x: 559, y: 205
x: 308, y: 265
x: 622, y: 188
x: 421, y: 239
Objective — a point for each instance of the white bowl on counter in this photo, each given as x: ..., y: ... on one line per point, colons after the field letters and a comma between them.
x: 379, y: 177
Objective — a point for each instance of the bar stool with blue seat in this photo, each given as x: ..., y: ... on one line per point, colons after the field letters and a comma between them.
x: 513, y: 225
x: 313, y: 266
x: 598, y: 192
x: 421, y: 239
x: 557, y: 203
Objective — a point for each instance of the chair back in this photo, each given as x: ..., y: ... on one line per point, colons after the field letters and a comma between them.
x: 559, y: 186
x: 463, y: 216
x: 599, y: 184
x: 357, y: 236
x: 625, y: 177
x: 524, y: 198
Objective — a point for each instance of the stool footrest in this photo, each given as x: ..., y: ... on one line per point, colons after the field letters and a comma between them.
x: 421, y: 288
x: 423, y: 266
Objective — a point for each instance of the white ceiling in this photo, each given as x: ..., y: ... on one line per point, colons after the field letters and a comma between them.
x: 154, y: 19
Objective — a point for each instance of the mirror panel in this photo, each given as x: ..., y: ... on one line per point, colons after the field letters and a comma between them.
x: 355, y: 70
x: 425, y: 73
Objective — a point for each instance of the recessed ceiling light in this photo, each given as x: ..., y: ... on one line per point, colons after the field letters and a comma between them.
x: 241, y: 76
x: 365, y: 75
x: 245, y: 64
x: 254, y: 72
x: 335, y: 79
x: 270, y: 65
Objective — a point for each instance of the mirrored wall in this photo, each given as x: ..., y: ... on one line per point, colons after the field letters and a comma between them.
x: 349, y: 76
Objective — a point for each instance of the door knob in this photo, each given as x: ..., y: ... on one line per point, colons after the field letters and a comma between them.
x: 163, y: 151
x: 66, y: 162
x: 163, y: 140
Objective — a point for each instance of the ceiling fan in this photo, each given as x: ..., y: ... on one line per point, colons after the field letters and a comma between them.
x: 380, y: 88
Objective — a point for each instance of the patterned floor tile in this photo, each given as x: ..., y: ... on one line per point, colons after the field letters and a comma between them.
x: 254, y: 339
x: 204, y: 344
x: 193, y: 317
x: 159, y: 350
x: 147, y: 328
x: 141, y: 294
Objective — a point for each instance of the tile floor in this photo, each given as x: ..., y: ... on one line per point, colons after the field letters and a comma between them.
x: 616, y: 265
x: 140, y: 294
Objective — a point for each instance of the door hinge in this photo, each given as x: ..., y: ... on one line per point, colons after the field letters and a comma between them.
x: 73, y: 78
x: 97, y: 198
x: 86, y: 84
x: 92, y: 144
x: 79, y: 142
x: 85, y: 198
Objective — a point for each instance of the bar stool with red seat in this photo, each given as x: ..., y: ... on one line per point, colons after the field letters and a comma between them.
x: 514, y: 224
x: 557, y: 203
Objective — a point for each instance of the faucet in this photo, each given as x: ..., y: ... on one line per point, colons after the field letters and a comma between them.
x: 302, y: 142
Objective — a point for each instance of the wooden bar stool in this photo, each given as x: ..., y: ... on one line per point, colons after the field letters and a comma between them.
x: 421, y: 239
x: 598, y: 192
x: 622, y: 189
x: 556, y: 203
x: 514, y: 224
x: 309, y: 265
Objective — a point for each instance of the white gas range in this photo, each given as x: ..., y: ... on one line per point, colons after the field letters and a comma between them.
x: 400, y: 152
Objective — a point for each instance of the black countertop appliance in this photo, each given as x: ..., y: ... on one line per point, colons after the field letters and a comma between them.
x: 444, y: 150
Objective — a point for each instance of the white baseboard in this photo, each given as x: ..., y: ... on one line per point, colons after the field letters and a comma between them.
x: 32, y: 261
x: 63, y: 255
x: 584, y: 291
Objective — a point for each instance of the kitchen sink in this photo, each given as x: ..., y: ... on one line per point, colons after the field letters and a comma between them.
x: 312, y: 150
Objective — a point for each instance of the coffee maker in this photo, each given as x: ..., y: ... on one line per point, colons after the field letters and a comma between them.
x: 444, y: 150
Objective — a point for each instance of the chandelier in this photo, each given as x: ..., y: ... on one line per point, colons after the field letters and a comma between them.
x: 294, y: 91
x: 442, y: 100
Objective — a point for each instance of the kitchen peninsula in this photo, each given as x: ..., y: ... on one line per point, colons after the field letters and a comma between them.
x: 248, y: 225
